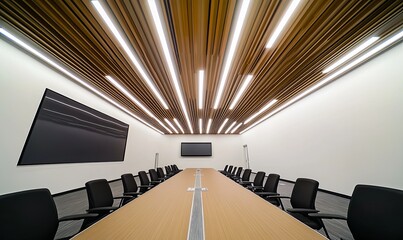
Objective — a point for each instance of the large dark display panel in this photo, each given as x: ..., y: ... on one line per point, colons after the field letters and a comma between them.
x: 195, y: 149
x: 65, y: 131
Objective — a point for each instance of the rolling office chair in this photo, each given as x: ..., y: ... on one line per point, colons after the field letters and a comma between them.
x: 100, y: 198
x: 32, y: 214
x: 237, y: 175
x: 130, y: 187
x: 258, y: 181
x: 302, y: 200
x: 161, y: 174
x: 269, y: 189
x: 373, y: 213
x: 146, y: 184
x: 225, y: 169
x: 245, y: 176
x: 232, y: 173
x: 154, y: 176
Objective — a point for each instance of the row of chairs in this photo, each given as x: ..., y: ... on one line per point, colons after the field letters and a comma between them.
x: 32, y: 214
x: 374, y: 212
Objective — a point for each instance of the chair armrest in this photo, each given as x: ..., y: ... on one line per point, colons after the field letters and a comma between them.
x: 132, y: 194
x: 327, y: 216
x: 279, y: 196
x: 265, y: 194
x: 155, y: 182
x: 258, y: 188
x: 78, y: 217
x: 144, y: 186
x: 101, y: 209
x: 245, y: 183
x: 302, y: 210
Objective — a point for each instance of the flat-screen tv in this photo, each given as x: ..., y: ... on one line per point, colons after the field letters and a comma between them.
x: 65, y: 131
x: 195, y: 149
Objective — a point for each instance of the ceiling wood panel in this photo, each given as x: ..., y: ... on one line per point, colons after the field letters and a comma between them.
x: 198, y: 34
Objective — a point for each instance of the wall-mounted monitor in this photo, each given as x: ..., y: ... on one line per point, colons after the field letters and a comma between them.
x: 65, y: 131
x: 195, y: 149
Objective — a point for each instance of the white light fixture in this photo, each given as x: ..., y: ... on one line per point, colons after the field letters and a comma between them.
x: 241, y: 91
x: 233, y: 130
x: 179, y: 126
x: 231, y: 52
x: 168, y: 58
x: 282, y: 23
x: 230, y: 127
x: 170, y: 124
x: 69, y: 74
x: 350, y: 54
x: 200, y: 125
x: 359, y: 60
x: 261, y: 110
x: 201, y: 84
x: 208, y: 126
x: 135, y: 100
x: 222, y: 125
x: 128, y: 51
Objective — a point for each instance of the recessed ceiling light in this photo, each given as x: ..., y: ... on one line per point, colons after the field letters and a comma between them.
x: 200, y: 125
x: 128, y: 51
x: 241, y: 91
x: 349, y: 66
x: 282, y: 23
x: 208, y: 126
x: 69, y: 74
x: 179, y: 126
x: 222, y: 125
x: 233, y: 130
x: 168, y: 58
x: 229, y: 128
x: 350, y: 54
x: 201, y: 84
x: 170, y: 124
x: 230, y: 55
x: 261, y: 110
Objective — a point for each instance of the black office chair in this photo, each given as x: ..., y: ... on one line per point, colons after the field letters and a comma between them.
x: 302, y: 200
x: 245, y: 176
x: 258, y: 181
x: 100, y: 198
x: 237, y: 175
x: 229, y: 170
x: 269, y: 189
x: 373, y: 213
x: 225, y: 169
x: 154, y: 176
x: 169, y: 171
x: 232, y: 173
x: 161, y: 174
x: 175, y: 167
x: 130, y: 187
x: 32, y: 214
x: 146, y: 184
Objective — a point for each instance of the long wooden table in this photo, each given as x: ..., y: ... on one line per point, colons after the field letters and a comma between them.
x: 230, y: 212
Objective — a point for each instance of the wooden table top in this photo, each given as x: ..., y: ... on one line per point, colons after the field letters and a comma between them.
x: 230, y: 212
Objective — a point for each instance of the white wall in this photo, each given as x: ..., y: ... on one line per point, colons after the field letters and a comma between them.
x: 346, y: 133
x: 22, y: 83
x: 226, y: 149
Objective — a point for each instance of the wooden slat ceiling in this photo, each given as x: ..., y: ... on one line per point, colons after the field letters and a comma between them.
x: 198, y: 32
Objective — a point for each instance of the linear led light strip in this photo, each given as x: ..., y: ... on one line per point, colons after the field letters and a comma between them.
x: 359, y: 60
x: 61, y: 69
x: 282, y: 23
x: 179, y: 126
x: 201, y: 84
x: 245, y: 84
x: 131, y: 55
x: 135, y: 100
x: 231, y: 52
x: 230, y: 127
x: 233, y: 130
x: 170, y: 124
x: 163, y: 41
x: 271, y: 103
x: 200, y: 125
x: 208, y: 126
x: 222, y: 125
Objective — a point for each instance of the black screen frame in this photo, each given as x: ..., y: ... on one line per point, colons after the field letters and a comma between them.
x: 197, y: 155
x: 21, y: 161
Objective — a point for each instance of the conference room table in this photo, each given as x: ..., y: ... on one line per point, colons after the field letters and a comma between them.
x: 227, y: 211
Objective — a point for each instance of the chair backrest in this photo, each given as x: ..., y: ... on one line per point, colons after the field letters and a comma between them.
x: 259, y: 178
x: 246, y: 175
x: 168, y: 170
x: 304, y: 193
x: 28, y: 214
x: 129, y: 183
x: 230, y: 169
x: 238, y: 172
x: 160, y: 172
x: 234, y: 171
x: 99, y: 193
x: 375, y: 213
x: 153, y: 175
x: 144, y: 178
x: 271, y: 183
x: 225, y: 168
